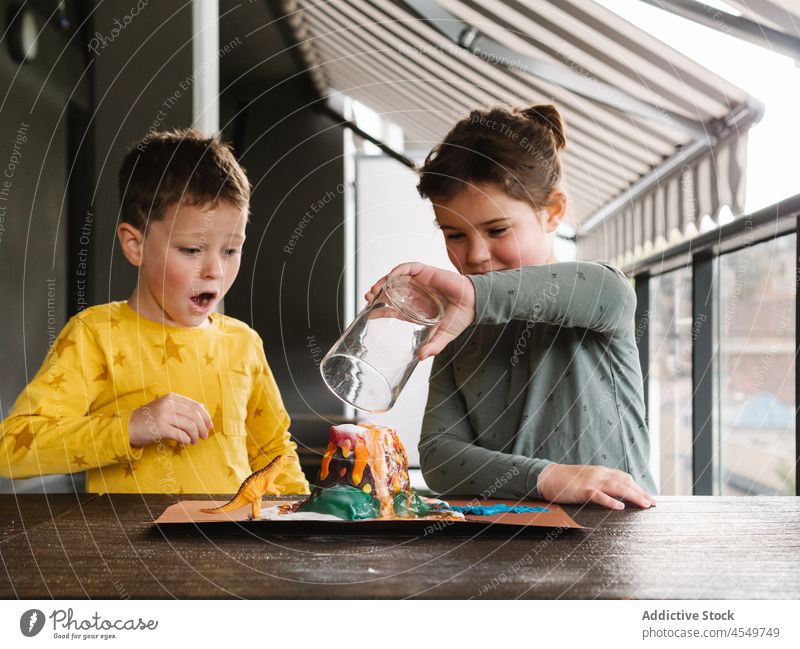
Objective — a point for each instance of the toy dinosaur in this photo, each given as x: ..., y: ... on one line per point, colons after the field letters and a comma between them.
x: 255, y: 486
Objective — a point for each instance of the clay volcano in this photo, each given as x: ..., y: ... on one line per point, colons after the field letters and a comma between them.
x: 364, y: 474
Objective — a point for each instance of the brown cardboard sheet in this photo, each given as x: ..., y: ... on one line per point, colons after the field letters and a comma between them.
x: 188, y: 512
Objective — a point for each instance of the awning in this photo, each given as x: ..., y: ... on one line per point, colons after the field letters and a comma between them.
x: 781, y: 15
x: 773, y: 25
x: 654, y: 140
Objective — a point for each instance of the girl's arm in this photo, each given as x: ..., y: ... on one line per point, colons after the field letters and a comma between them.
x: 453, y: 463
x: 571, y: 294
x: 451, y: 460
x: 50, y: 428
x: 586, y: 294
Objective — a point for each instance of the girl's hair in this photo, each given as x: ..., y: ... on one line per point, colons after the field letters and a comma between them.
x: 515, y: 149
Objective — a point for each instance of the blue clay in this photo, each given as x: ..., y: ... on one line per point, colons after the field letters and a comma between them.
x: 488, y: 510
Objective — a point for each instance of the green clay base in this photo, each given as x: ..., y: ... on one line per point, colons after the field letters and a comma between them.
x: 412, y: 509
x: 352, y: 504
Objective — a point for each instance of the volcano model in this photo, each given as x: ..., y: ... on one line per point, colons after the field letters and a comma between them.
x: 364, y: 474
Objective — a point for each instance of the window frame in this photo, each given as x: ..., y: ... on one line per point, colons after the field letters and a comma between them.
x: 702, y: 253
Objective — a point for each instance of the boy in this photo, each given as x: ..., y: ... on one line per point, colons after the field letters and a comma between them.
x: 159, y: 393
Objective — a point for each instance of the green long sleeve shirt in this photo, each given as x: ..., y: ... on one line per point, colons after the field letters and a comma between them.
x: 548, y: 372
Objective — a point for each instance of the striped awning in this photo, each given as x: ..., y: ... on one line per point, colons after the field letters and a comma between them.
x: 781, y: 15
x: 774, y: 25
x: 654, y: 140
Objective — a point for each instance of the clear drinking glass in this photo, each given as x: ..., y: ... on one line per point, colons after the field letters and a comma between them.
x: 372, y: 360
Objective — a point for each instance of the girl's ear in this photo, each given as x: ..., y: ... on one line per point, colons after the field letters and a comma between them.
x: 131, y: 240
x: 556, y: 209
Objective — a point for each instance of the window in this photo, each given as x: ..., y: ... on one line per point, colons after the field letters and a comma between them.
x: 670, y: 379
x: 755, y: 386
x: 395, y: 225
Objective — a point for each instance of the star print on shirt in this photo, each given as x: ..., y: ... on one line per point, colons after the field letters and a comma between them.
x: 171, y: 350
x: 119, y: 359
x: 61, y: 345
x: 209, y: 359
x: 79, y: 460
x: 58, y: 379
x: 103, y: 376
x: 130, y: 468
x: 23, y: 438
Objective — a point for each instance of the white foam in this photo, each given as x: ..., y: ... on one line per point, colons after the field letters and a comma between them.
x: 350, y: 428
x: 274, y: 514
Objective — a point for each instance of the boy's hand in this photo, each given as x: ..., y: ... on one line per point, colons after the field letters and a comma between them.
x: 172, y: 416
x: 581, y: 483
x: 459, y: 301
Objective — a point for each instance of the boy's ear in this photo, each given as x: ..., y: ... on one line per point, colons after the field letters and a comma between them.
x: 556, y: 209
x: 131, y: 240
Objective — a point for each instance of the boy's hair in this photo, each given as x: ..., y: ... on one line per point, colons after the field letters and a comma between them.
x: 515, y: 149
x: 178, y: 166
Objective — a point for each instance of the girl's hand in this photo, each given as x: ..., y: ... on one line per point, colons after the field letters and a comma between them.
x: 581, y: 483
x: 459, y: 301
x: 172, y: 416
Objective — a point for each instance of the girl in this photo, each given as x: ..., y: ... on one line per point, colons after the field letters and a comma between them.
x: 536, y: 388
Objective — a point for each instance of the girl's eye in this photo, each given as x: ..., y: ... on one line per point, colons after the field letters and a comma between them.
x: 232, y: 251
x: 496, y: 232
x: 454, y: 236
x: 189, y: 251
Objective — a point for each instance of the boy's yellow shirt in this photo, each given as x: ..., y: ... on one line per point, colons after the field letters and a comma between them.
x: 109, y: 361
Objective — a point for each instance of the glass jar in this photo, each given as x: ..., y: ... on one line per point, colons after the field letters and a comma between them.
x: 373, y: 359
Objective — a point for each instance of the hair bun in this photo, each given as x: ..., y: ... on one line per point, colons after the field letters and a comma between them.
x: 548, y: 115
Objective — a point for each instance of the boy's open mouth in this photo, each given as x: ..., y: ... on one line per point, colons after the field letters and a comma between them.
x: 203, y: 299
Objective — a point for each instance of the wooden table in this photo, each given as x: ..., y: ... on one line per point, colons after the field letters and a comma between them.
x: 90, y: 546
